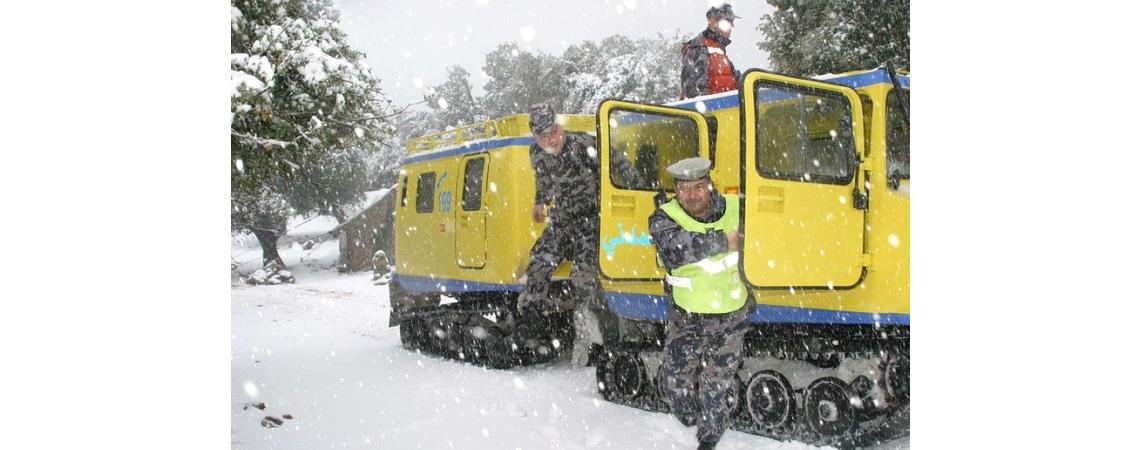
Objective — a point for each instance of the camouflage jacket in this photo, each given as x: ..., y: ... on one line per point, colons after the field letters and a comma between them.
x: 695, y: 64
x: 677, y: 246
x: 569, y: 180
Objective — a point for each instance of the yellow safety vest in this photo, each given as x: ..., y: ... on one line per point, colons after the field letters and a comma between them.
x: 711, y: 285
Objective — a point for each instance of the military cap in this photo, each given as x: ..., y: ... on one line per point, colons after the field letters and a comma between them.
x: 541, y: 118
x: 689, y: 169
x: 723, y: 11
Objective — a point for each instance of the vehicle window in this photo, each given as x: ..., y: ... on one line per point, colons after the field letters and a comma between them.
x: 473, y: 184
x: 898, y: 137
x: 651, y: 142
x: 404, y: 191
x: 425, y: 193
x: 803, y: 134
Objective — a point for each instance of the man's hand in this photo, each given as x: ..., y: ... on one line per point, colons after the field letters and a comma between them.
x: 734, y: 239
x: 538, y: 213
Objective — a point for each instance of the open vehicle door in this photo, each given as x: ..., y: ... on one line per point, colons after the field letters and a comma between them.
x: 651, y: 138
x: 802, y: 175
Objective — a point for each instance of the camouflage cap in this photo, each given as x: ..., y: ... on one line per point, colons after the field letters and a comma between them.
x: 689, y: 169
x: 541, y: 118
x: 721, y: 12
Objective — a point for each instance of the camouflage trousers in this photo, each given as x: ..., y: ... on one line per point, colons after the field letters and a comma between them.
x: 702, y: 354
x: 563, y: 240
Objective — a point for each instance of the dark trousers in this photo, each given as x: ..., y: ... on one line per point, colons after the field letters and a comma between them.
x: 702, y: 354
x: 574, y: 240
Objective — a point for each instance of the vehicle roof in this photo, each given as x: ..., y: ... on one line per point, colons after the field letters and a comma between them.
x: 855, y: 80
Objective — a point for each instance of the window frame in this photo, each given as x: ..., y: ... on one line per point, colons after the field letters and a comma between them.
x: 892, y: 112
x: 404, y: 191
x: 430, y: 193
x: 850, y: 158
x: 662, y: 185
x: 466, y: 176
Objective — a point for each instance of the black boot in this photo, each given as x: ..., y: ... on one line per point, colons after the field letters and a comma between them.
x: 706, y: 446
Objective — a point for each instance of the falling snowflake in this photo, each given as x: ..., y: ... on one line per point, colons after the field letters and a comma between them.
x: 250, y: 389
x: 724, y: 25
x: 527, y: 33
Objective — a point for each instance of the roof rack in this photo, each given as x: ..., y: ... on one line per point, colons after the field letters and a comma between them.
x: 455, y: 136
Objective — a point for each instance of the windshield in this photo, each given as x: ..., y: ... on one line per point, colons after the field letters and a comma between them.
x: 898, y: 136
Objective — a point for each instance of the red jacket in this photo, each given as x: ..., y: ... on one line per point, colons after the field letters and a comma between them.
x: 720, y: 69
x: 705, y: 67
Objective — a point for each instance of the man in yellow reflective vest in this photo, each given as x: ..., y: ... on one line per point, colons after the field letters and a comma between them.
x: 698, y: 240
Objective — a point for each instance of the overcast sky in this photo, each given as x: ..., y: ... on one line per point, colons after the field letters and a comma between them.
x: 410, y: 43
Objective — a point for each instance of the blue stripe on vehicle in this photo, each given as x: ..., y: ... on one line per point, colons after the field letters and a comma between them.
x: 655, y: 307
x: 469, y: 148
x: 712, y: 104
x: 854, y: 81
x: 868, y: 78
x: 427, y: 284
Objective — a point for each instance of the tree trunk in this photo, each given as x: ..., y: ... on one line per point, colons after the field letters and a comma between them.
x: 268, y: 240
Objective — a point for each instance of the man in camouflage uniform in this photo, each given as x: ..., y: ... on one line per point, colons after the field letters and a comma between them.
x: 705, y: 67
x: 698, y: 241
x: 566, y: 173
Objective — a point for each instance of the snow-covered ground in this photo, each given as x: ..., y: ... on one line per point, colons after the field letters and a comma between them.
x: 321, y: 352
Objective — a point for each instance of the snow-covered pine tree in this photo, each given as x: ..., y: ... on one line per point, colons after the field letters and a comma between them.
x: 307, y: 115
x: 645, y: 70
x: 518, y: 79
x: 452, y: 102
x: 807, y: 38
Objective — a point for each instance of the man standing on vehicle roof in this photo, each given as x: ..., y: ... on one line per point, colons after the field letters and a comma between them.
x: 566, y: 175
x: 698, y: 240
x: 705, y: 67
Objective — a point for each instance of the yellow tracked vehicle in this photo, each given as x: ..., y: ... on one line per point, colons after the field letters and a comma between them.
x: 464, y: 231
x: 822, y: 169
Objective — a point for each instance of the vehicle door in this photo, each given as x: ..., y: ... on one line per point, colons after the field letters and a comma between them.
x: 803, y: 182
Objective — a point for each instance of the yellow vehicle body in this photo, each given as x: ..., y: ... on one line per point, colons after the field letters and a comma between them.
x: 822, y: 170
x: 463, y: 209
x: 826, y: 235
